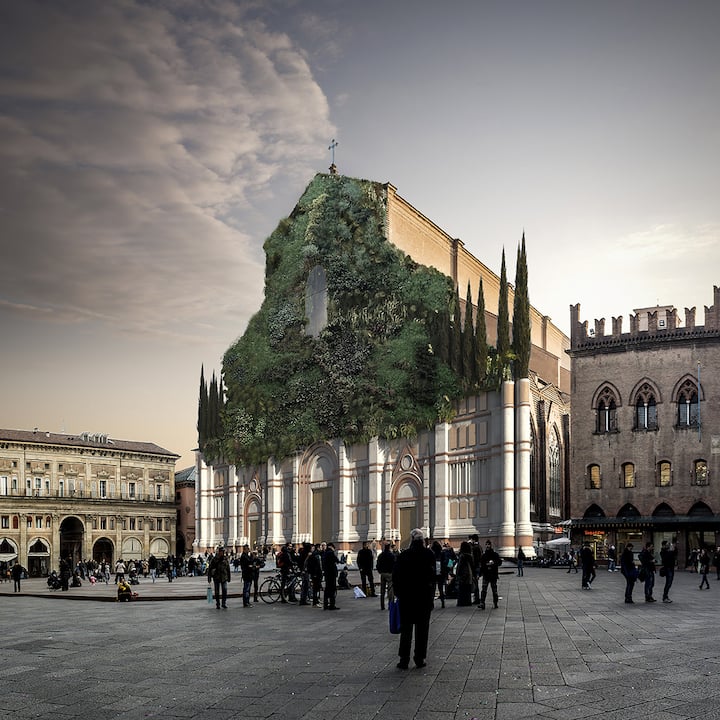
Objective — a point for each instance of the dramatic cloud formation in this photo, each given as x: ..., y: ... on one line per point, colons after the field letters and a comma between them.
x: 135, y: 136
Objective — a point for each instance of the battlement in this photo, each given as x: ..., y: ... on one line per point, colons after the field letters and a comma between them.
x: 654, y: 324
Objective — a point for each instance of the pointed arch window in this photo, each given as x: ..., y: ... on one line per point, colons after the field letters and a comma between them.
x: 646, y: 409
x: 554, y: 475
x: 606, y: 411
x: 687, y: 405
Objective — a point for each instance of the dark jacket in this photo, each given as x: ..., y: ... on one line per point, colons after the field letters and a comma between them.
x: 414, y: 577
x: 364, y: 560
x: 490, y: 563
x: 627, y: 563
x: 329, y: 563
x: 385, y: 561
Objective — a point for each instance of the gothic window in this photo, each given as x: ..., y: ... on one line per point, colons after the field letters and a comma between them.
x: 645, y: 409
x: 700, y: 473
x: 606, y: 411
x: 533, y: 471
x: 316, y: 301
x: 664, y: 474
x: 687, y: 405
x: 594, y: 477
x: 554, y: 475
x: 628, y: 475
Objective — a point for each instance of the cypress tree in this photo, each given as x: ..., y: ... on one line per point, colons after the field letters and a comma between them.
x: 481, y: 346
x: 521, y: 316
x: 202, y: 410
x: 468, y: 343
x: 456, y: 338
x: 212, y: 409
x: 503, y: 321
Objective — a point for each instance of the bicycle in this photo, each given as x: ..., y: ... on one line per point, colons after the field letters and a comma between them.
x: 271, y: 589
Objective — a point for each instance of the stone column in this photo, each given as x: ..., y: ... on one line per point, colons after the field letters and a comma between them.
x: 523, y: 528
x: 506, y: 531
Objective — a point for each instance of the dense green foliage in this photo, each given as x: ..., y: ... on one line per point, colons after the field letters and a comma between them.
x: 390, y: 360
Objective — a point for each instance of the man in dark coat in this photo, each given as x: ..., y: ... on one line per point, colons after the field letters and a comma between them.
x: 490, y: 563
x: 414, y: 587
x: 364, y: 562
x: 330, y: 563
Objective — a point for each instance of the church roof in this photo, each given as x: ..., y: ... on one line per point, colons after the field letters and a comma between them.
x: 83, y: 440
x: 186, y: 476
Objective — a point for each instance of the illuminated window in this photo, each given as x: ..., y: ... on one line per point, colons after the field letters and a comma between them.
x: 628, y: 475
x: 664, y: 474
x: 701, y: 475
x: 594, y: 477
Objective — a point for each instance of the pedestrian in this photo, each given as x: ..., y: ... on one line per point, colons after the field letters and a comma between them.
x: 464, y: 574
x: 490, y: 563
x: 384, y: 565
x: 572, y: 561
x: 364, y: 563
x: 587, y: 560
x: 414, y: 587
x: 247, y: 570
x: 153, y: 565
x: 302, y: 556
x: 628, y: 569
x: 330, y: 563
x: 17, y: 572
x: 668, y: 558
x: 520, y: 562
x: 476, y: 552
x: 612, y: 558
x: 647, y: 567
x: 440, y: 571
x: 704, y: 568
x: 314, y: 569
x: 219, y: 574
x: 716, y: 562
x: 120, y: 570
x: 284, y: 560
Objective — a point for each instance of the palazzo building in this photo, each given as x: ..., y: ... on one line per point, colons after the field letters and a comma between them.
x: 499, y: 468
x: 83, y: 496
x: 645, y: 460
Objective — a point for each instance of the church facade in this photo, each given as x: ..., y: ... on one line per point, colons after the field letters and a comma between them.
x: 497, y: 467
x: 645, y: 462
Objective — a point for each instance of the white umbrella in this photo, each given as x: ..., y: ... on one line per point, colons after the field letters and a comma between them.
x: 558, y: 542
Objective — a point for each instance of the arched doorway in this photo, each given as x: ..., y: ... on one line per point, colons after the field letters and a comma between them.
x: 407, y: 508
x: 252, y: 521
x: 72, y: 532
x: 103, y: 550
x: 38, y: 559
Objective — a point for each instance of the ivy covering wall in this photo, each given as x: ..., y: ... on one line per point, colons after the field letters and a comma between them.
x: 383, y: 365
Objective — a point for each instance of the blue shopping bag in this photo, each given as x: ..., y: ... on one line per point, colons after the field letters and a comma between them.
x: 209, y: 595
x: 394, y: 615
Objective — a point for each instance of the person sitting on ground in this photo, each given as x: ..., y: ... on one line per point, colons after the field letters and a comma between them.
x: 124, y: 591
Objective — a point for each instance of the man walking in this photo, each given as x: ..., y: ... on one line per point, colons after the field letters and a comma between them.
x: 587, y: 560
x: 668, y: 558
x: 489, y: 567
x: 247, y: 568
x: 219, y: 573
x: 364, y: 562
x: 385, y: 565
x: 628, y: 569
x: 414, y: 586
x: 647, y: 565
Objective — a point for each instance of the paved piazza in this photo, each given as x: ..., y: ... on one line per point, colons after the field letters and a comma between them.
x: 551, y: 650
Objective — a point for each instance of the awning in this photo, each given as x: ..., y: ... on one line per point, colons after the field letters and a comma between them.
x: 649, y: 521
x: 7, y: 557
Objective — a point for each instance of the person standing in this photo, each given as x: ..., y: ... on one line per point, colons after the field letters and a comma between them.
x: 587, y: 560
x: 464, y: 574
x: 647, y: 564
x: 414, y: 587
x: 489, y: 568
x: 285, y: 561
x: 153, y: 565
x: 248, y: 573
x: 440, y: 570
x: 314, y: 568
x: 716, y: 562
x: 628, y: 569
x: 364, y: 562
x: 330, y: 563
x: 17, y: 573
x: 612, y: 558
x: 704, y: 568
x: 520, y: 562
x: 219, y: 574
x: 476, y: 553
x: 385, y: 564
x: 668, y: 558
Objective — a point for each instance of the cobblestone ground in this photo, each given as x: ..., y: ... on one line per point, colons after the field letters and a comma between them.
x: 551, y: 650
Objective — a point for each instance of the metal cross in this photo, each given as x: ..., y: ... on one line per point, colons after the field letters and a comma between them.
x: 332, y: 147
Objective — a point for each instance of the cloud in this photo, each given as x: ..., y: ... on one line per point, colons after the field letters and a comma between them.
x: 137, y: 137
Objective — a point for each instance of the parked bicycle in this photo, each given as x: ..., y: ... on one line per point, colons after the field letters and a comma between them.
x: 271, y: 589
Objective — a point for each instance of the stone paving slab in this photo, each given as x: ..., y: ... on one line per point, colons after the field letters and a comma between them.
x: 550, y: 651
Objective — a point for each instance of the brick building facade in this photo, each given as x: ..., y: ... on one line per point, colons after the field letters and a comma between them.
x: 645, y: 429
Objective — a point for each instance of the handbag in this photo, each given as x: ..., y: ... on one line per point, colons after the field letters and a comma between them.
x: 394, y: 616
x: 642, y: 574
x: 663, y: 572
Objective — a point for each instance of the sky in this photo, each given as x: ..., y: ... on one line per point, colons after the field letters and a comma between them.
x: 148, y: 148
